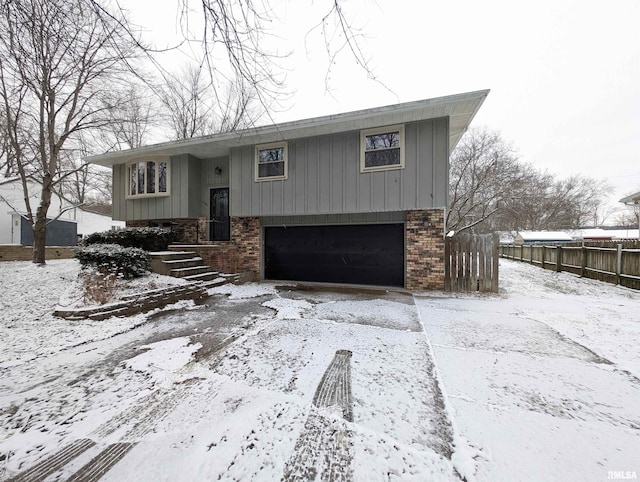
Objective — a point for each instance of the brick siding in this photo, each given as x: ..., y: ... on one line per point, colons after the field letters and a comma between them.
x: 424, y: 232
x: 222, y: 256
x: 245, y: 233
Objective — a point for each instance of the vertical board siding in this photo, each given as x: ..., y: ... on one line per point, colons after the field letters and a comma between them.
x: 119, y: 186
x: 211, y: 180
x: 184, y: 201
x: 350, y: 218
x: 324, y: 176
x: 440, y: 171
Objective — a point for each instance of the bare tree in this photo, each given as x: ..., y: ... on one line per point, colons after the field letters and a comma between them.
x: 491, y: 189
x: 550, y: 203
x: 194, y: 108
x: 231, y: 38
x: 483, y: 172
x: 56, y: 57
x: 132, y: 114
x: 187, y: 104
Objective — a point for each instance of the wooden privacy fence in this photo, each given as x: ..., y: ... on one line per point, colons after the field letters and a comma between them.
x: 611, y: 261
x: 471, y: 263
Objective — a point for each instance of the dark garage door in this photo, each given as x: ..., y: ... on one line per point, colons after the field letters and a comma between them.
x: 361, y: 254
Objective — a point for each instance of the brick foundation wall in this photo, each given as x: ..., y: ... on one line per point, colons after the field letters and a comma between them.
x: 193, y: 230
x: 424, y: 231
x: 245, y: 234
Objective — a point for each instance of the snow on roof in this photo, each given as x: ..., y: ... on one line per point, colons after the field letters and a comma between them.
x: 593, y: 233
x: 623, y: 233
x: 545, y: 236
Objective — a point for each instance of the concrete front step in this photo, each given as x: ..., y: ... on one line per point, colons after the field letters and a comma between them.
x: 183, y: 263
x: 208, y: 276
x: 193, y: 270
x: 189, y: 266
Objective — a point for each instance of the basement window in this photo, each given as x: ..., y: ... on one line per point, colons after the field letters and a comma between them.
x: 148, y: 179
x: 271, y: 161
x: 382, y: 148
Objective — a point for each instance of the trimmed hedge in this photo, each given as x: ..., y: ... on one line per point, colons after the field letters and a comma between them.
x: 148, y: 239
x: 128, y: 262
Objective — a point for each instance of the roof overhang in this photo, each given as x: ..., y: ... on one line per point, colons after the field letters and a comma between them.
x: 459, y: 108
x: 631, y: 199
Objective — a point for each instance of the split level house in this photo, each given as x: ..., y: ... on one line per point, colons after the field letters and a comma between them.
x: 357, y: 198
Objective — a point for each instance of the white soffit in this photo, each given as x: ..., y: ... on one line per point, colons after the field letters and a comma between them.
x: 460, y: 108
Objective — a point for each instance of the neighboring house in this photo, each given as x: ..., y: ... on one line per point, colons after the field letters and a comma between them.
x: 358, y: 197
x: 73, y: 223
x: 530, y: 237
x: 634, y: 200
x: 631, y: 199
x: 591, y: 234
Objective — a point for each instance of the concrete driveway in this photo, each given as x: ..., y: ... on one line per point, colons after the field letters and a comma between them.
x: 267, y: 383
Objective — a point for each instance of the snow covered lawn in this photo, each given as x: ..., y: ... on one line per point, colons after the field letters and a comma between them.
x: 268, y: 382
x: 28, y: 295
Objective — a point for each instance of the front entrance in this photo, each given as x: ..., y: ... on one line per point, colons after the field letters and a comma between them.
x: 220, y: 225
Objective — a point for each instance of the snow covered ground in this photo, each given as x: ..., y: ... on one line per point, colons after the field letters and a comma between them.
x: 267, y: 382
x: 543, y: 380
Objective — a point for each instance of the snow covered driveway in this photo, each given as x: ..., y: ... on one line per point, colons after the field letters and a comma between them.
x: 544, y: 380
x: 274, y: 383
x: 265, y: 384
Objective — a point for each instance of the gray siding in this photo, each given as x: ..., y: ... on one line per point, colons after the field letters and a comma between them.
x: 184, y: 201
x: 324, y: 176
x: 351, y: 218
x: 211, y: 180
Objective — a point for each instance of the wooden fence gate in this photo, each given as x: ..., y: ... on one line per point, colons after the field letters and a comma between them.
x: 471, y: 263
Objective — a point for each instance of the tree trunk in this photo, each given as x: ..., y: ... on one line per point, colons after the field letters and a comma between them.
x: 40, y: 225
x: 39, y: 240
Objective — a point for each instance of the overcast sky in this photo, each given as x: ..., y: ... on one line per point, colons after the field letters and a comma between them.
x: 564, y: 74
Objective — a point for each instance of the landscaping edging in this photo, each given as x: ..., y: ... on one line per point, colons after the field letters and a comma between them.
x: 14, y: 252
x: 140, y: 302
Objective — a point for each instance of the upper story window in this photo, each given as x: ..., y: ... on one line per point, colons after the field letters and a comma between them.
x: 271, y: 161
x: 148, y: 178
x: 382, y: 148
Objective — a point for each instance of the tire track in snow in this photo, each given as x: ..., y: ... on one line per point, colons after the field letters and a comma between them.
x: 102, y: 463
x: 324, y: 446
x: 54, y: 462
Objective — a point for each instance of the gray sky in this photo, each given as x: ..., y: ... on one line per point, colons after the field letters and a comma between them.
x: 564, y: 74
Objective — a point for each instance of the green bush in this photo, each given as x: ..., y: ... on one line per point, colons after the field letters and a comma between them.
x: 148, y: 239
x: 113, y: 258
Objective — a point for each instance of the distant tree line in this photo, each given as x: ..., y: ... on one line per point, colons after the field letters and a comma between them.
x: 492, y: 189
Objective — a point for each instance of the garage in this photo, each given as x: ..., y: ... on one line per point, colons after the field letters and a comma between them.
x: 371, y: 254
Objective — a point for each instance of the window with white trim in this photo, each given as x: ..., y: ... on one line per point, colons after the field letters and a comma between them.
x: 271, y: 161
x: 382, y: 148
x: 148, y: 178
